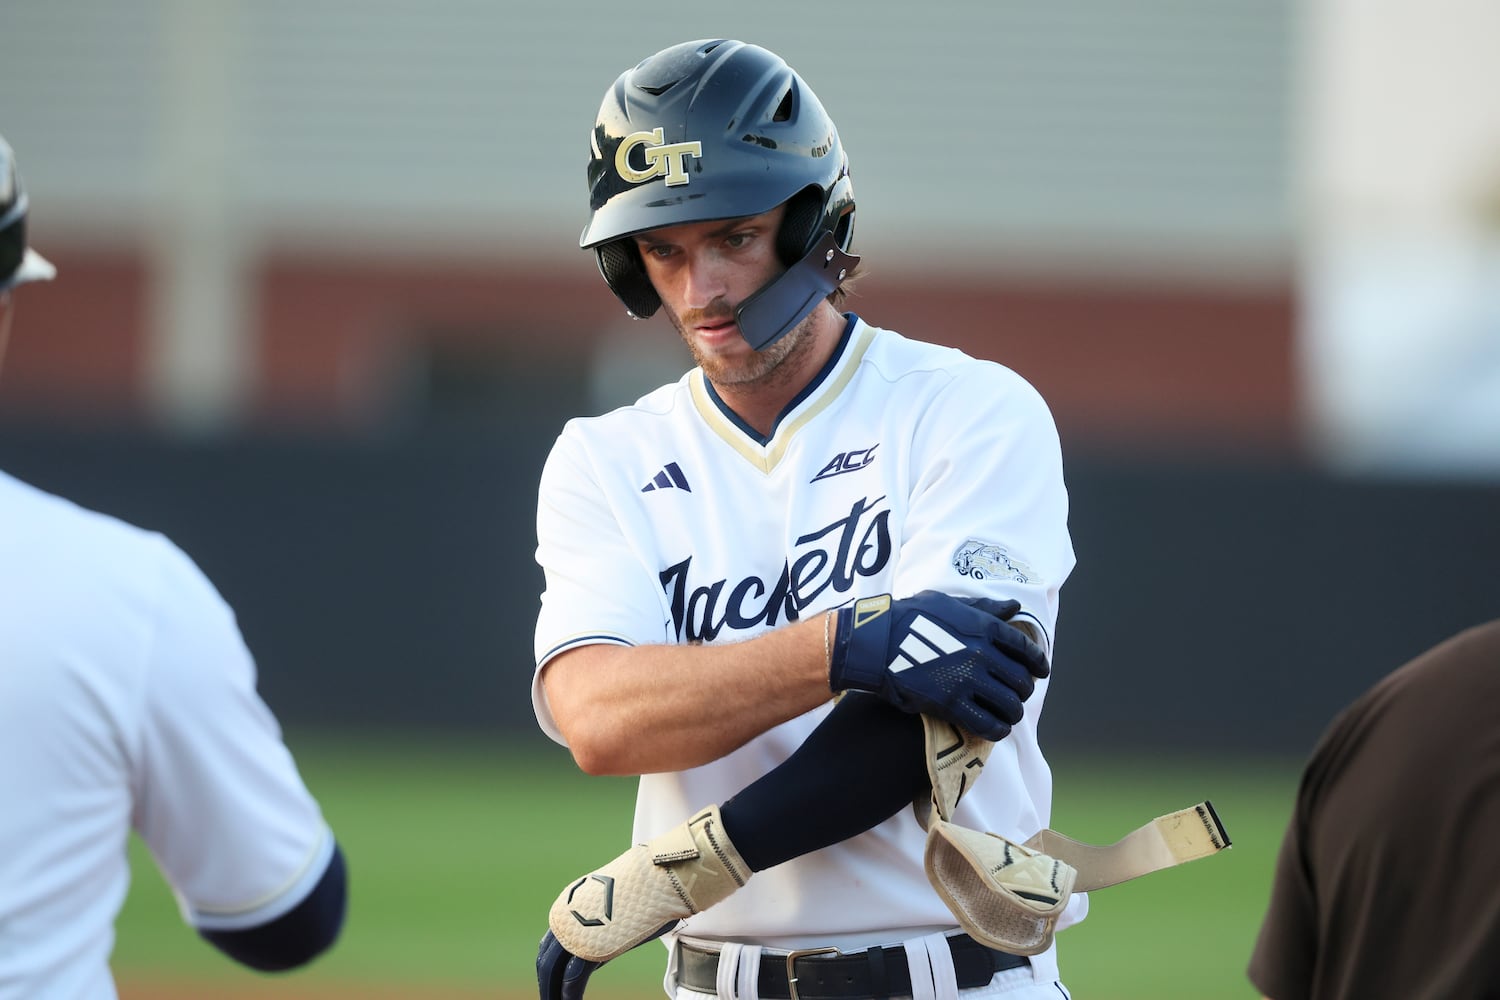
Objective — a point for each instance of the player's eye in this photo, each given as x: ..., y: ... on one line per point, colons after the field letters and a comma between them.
x: 739, y: 240
x: 660, y: 251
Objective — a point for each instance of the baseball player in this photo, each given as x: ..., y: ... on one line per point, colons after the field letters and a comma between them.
x: 1388, y: 884
x: 798, y: 517
x: 128, y: 702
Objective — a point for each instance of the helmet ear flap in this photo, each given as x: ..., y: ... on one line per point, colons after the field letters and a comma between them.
x: 12, y: 216
x: 799, y: 226
x: 620, y: 263
x: 12, y: 249
x: 809, y: 213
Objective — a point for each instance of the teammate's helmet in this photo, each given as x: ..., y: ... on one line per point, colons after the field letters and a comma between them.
x: 18, y: 262
x: 718, y: 129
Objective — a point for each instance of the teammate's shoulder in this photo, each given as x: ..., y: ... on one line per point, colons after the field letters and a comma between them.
x: 62, y: 528
x: 43, y: 511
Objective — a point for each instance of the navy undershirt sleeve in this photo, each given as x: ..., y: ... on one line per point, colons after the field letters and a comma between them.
x: 858, y: 768
x: 297, y: 936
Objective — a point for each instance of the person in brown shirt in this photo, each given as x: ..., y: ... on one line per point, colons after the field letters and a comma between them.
x: 1388, y: 880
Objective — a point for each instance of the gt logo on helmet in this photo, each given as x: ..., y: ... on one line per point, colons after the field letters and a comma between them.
x: 661, y: 159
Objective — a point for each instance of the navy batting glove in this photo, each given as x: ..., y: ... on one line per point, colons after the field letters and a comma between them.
x: 956, y: 658
x: 561, y: 975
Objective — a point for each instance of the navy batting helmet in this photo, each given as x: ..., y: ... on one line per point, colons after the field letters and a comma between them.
x: 18, y: 262
x: 718, y: 129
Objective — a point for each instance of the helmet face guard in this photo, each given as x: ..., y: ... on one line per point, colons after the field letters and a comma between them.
x: 780, y: 304
x: 711, y: 130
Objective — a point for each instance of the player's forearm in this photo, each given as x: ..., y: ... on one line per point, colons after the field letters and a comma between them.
x: 643, y: 709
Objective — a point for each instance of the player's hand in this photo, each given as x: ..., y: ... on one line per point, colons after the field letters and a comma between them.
x: 561, y: 975
x: 957, y: 658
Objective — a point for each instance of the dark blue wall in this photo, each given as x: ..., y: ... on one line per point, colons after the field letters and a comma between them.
x: 391, y: 582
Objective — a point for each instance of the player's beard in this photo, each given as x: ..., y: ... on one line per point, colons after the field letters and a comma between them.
x: 747, y: 370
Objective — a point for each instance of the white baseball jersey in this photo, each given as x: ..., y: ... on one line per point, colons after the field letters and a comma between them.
x: 903, y: 467
x: 127, y: 700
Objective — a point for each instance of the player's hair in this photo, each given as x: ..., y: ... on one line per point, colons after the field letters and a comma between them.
x: 841, y: 294
x: 719, y: 129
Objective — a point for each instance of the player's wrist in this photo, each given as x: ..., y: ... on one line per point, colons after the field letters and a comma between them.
x: 828, y: 618
x: 856, y: 655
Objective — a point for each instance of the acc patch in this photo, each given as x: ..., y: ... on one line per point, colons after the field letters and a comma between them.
x: 988, y: 561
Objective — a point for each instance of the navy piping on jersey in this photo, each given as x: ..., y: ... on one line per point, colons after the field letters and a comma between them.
x: 584, y: 640
x: 808, y: 390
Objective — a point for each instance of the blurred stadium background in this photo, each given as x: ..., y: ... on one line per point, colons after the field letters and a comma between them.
x: 320, y: 314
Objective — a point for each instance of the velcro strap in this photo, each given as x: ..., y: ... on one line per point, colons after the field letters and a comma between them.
x: 1177, y: 837
x: 675, y: 845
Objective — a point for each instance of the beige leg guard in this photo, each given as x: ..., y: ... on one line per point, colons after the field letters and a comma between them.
x: 1009, y: 895
x: 955, y: 759
x: 1004, y: 895
x: 631, y: 899
x: 1178, y: 837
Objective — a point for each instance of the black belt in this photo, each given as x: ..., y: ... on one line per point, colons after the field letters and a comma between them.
x: 826, y: 974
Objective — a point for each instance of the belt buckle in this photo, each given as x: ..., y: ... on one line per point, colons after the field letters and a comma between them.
x: 791, y: 971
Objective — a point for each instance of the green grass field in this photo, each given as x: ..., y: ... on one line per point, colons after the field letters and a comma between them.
x: 456, y: 852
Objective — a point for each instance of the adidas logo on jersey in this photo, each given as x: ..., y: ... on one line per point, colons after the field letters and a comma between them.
x: 846, y: 461
x: 670, y: 477
x: 925, y: 640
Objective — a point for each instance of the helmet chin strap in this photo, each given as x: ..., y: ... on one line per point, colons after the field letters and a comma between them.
x: 785, y: 300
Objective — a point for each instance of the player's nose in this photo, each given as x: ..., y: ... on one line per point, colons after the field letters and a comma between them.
x: 704, y: 280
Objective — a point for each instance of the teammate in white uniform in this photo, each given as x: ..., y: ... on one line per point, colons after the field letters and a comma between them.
x: 703, y: 547
x: 128, y: 701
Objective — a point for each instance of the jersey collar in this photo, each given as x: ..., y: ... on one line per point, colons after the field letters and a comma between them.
x: 765, y: 452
